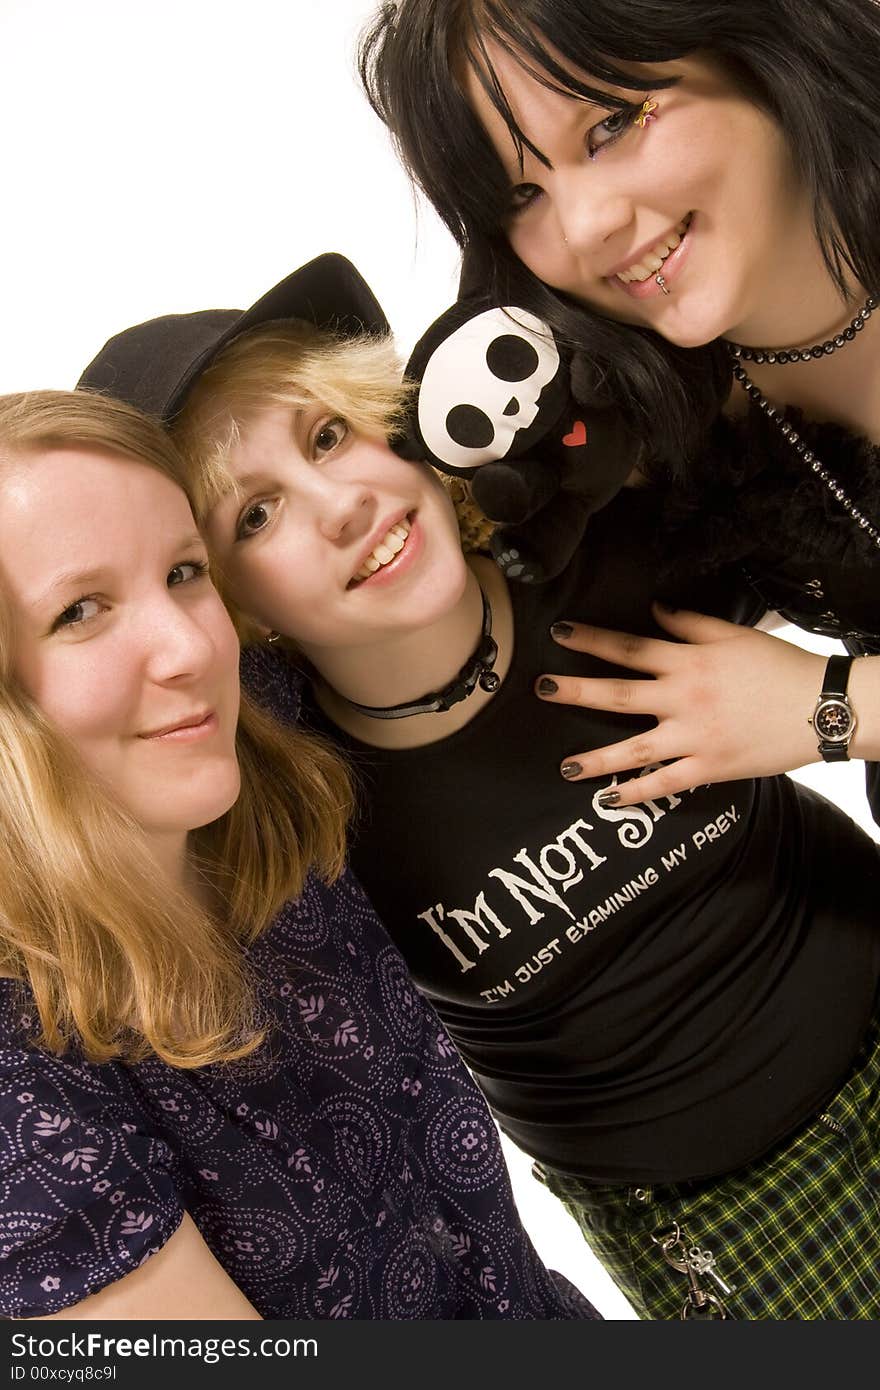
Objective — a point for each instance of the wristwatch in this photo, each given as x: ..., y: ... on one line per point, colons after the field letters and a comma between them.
x: 834, y: 718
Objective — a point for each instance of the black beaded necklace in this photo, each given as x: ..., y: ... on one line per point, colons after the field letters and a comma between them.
x: 477, y: 671
x: 782, y: 357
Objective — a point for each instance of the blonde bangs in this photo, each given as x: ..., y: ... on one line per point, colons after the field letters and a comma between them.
x: 285, y: 364
x: 296, y: 365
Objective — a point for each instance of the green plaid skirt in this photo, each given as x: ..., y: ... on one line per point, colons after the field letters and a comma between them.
x: 796, y: 1234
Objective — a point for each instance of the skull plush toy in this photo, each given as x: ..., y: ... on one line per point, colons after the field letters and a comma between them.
x: 494, y: 368
x: 496, y: 405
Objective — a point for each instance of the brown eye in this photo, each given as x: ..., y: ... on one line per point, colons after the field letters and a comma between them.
x: 76, y: 613
x: 255, y: 517
x: 330, y: 435
x: 186, y: 572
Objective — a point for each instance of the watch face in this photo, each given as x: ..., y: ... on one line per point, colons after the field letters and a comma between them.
x: 834, y: 721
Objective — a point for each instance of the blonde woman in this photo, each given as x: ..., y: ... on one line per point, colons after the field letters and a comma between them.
x: 220, y: 1096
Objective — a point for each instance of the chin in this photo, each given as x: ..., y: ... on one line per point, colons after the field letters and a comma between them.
x: 686, y: 337
x: 212, y: 801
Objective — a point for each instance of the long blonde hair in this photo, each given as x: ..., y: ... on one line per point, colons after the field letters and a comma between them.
x: 119, y: 963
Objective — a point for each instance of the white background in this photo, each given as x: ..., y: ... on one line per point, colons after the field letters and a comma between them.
x: 187, y: 154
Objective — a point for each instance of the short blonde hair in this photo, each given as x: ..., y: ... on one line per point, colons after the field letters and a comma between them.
x: 295, y: 364
x: 118, y: 962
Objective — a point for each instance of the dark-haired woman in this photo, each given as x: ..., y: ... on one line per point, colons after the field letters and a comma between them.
x: 690, y: 193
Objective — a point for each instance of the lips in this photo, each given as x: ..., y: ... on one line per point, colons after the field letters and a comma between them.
x: 188, y: 721
x: 649, y: 261
x: 638, y: 279
x: 384, y: 546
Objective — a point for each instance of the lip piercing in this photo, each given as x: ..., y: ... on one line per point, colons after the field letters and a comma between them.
x: 662, y: 283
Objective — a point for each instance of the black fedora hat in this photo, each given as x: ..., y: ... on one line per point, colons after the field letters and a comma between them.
x: 152, y: 365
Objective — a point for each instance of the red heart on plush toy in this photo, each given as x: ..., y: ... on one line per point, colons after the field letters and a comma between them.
x: 578, y: 435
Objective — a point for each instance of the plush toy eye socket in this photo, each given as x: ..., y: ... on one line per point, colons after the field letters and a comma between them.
x: 470, y: 427
x: 511, y: 358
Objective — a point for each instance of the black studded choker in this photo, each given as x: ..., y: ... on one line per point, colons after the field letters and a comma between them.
x: 477, y: 671
x: 782, y: 356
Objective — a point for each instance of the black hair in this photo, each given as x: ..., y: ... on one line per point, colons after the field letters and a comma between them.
x: 812, y: 65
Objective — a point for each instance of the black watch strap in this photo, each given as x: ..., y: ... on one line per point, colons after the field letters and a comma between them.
x: 834, y: 684
x: 836, y: 677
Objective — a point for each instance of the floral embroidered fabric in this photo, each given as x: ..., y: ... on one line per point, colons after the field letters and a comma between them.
x: 349, y: 1169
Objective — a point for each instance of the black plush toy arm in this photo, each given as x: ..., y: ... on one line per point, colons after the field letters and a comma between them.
x: 512, y: 492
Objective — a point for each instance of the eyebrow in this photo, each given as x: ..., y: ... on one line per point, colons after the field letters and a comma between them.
x: 85, y: 578
x: 69, y: 579
x: 567, y: 126
x: 257, y: 478
x: 261, y: 475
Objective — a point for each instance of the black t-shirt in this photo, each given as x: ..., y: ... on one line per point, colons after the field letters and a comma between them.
x: 649, y: 993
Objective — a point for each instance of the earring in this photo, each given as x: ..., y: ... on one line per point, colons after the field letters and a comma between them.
x: 272, y: 636
x: 646, y: 113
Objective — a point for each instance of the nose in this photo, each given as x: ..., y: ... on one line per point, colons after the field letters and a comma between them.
x: 342, y: 506
x: 180, y: 644
x: 590, y: 210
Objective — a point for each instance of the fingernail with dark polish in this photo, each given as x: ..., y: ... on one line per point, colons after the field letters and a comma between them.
x: 561, y: 630
x: 546, y: 686
x: 571, y: 770
x: 608, y: 799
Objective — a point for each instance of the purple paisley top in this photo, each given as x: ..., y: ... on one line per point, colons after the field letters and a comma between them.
x: 349, y: 1169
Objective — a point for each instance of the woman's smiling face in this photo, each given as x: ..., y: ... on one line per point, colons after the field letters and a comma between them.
x: 329, y: 537
x: 699, y: 188
x: 120, y: 637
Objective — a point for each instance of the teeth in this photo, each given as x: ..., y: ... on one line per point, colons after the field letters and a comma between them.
x: 644, y: 269
x: 388, y: 547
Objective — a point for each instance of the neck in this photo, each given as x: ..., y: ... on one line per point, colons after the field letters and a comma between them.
x: 416, y: 663
x: 842, y: 387
x: 407, y: 664
x: 172, y: 857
